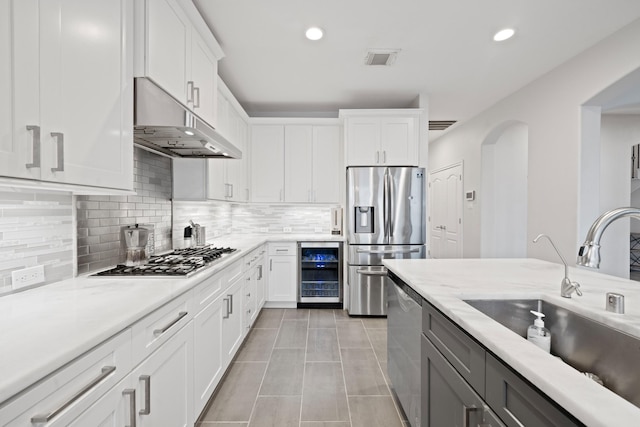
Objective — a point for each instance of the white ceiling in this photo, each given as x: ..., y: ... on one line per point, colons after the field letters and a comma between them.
x: 447, y: 50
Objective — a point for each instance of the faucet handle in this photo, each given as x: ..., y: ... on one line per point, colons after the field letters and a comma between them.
x: 576, y: 287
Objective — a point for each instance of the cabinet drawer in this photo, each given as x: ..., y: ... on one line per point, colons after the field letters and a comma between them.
x: 466, y: 356
x: 250, y: 260
x: 207, y: 291
x: 155, y: 329
x: 65, y: 394
x: 518, y: 403
x: 286, y: 248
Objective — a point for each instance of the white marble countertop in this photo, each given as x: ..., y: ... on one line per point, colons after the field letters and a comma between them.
x: 44, y: 328
x: 445, y: 283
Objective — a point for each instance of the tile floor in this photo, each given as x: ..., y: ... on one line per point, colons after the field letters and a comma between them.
x: 308, y: 368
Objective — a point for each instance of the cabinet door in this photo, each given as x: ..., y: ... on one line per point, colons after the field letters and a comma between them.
x: 86, y: 90
x: 261, y: 290
x: 204, y: 75
x: 167, y: 47
x: 447, y: 400
x: 232, y: 330
x: 267, y: 163
x: 298, y: 151
x: 398, y: 141
x: 164, y: 383
x: 236, y: 168
x: 19, y: 84
x: 216, y: 179
x: 207, y: 356
x: 282, y: 278
x: 114, y: 409
x: 363, y: 141
x: 328, y: 171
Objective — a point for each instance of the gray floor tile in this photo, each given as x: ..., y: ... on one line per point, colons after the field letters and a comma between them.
x: 375, y: 322
x: 258, y: 345
x: 323, y: 397
x: 284, y: 373
x: 320, y: 318
x: 296, y: 314
x: 341, y: 315
x: 373, y: 411
x: 352, y: 335
x: 280, y: 411
x: 234, y: 401
x: 269, y: 318
x: 293, y: 334
x: 325, y: 424
x: 220, y: 424
x: 378, y: 338
x: 362, y: 373
x: 322, y: 346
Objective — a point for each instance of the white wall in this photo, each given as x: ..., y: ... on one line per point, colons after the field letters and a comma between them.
x: 618, y: 134
x: 550, y: 107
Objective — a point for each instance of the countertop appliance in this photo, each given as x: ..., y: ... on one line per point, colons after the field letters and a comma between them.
x: 179, y: 263
x: 136, y: 239
x: 385, y: 219
x: 320, y: 274
x: 404, y: 323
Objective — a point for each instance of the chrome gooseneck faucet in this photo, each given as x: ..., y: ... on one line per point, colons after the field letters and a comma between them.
x: 567, y: 287
x: 589, y: 253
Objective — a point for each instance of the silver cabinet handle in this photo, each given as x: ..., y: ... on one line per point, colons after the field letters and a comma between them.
x: 226, y: 316
x: 366, y: 272
x: 230, y: 185
x: 196, y: 92
x: 190, y: 89
x: 35, y: 161
x: 147, y: 394
x: 384, y: 156
x: 230, y: 303
x: 132, y: 406
x: 466, y: 412
x: 282, y: 250
x: 45, y: 418
x: 260, y: 272
x: 249, y: 295
x: 60, y: 141
x: 377, y: 157
x: 270, y: 265
x: 387, y: 251
x: 170, y: 324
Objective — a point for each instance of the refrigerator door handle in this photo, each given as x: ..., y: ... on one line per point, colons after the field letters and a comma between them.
x: 387, y: 251
x: 386, y: 205
x: 391, y: 203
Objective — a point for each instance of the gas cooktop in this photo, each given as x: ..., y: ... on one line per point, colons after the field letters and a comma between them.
x: 180, y: 263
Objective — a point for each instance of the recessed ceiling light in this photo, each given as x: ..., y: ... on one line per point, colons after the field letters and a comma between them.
x: 188, y: 132
x: 314, y: 33
x: 502, y: 35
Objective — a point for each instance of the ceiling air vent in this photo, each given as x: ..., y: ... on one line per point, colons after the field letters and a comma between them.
x: 440, y: 124
x: 381, y: 56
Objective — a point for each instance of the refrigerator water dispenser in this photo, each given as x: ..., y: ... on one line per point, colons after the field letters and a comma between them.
x: 364, y: 219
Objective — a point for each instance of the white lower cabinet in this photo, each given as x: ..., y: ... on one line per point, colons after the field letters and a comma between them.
x: 232, y: 330
x: 283, y: 267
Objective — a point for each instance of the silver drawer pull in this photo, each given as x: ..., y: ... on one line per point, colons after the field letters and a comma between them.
x: 230, y: 303
x: 60, y: 141
x: 35, y: 162
x: 466, y: 412
x: 147, y: 394
x: 387, y: 251
x: 226, y: 316
x: 131, y: 392
x: 196, y: 92
x: 45, y: 418
x: 170, y: 324
x: 366, y: 272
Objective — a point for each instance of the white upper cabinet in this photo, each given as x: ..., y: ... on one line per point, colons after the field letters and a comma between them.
x: 382, y: 137
x: 178, y: 52
x: 267, y: 163
x: 69, y: 117
x: 298, y: 157
x: 328, y: 167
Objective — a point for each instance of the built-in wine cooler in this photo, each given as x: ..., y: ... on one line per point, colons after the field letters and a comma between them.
x: 320, y: 274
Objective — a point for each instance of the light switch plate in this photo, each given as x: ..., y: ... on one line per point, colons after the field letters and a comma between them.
x: 27, y: 277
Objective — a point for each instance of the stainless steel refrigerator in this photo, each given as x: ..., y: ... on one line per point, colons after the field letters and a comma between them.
x: 385, y: 219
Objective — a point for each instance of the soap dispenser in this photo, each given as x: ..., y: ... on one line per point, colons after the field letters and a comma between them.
x: 538, y: 334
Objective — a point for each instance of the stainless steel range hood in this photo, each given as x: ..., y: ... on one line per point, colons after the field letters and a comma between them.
x: 163, y: 124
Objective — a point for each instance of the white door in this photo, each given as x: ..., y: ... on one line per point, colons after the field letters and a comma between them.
x: 267, y: 163
x: 445, y: 219
x: 297, y: 162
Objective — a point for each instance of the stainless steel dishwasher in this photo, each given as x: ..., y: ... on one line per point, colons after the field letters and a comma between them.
x: 404, y: 322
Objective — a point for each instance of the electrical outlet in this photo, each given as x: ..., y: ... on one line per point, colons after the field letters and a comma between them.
x: 27, y: 276
x: 264, y: 229
x: 286, y: 229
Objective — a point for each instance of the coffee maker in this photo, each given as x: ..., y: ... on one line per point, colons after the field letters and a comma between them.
x: 136, y: 238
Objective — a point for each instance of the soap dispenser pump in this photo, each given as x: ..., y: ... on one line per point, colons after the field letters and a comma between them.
x: 538, y: 334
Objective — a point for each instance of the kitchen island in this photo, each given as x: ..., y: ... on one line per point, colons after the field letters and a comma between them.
x: 447, y: 283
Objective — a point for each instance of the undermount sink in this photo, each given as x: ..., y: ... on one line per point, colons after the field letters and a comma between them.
x: 585, y: 344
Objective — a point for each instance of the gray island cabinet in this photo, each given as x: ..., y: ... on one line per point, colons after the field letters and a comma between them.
x: 463, y: 384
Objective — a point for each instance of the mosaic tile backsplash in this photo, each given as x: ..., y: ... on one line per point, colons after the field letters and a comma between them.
x: 254, y: 218
x: 102, y: 218
x: 36, y: 228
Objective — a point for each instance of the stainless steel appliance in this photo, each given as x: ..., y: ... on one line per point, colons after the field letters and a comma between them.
x: 404, y: 322
x: 320, y: 274
x: 166, y: 126
x: 385, y: 219
x: 179, y: 263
